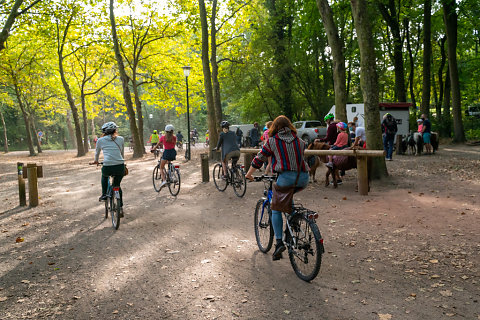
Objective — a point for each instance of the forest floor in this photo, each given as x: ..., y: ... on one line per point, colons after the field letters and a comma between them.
x: 408, y: 250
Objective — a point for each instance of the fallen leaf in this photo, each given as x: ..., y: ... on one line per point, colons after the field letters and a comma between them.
x: 435, y: 276
x: 168, y: 295
x: 384, y: 316
x: 209, y: 297
x: 25, y: 281
x: 433, y: 261
x: 286, y: 311
x: 3, y: 299
x: 19, y: 239
x: 446, y: 293
x: 205, y: 261
x: 115, y: 312
x: 344, y: 198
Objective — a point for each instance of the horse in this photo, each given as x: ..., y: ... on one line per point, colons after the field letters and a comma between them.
x: 315, y: 161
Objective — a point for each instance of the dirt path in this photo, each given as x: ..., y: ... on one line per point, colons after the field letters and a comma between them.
x: 409, y: 250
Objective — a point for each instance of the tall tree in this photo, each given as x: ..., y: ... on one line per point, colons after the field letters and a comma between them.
x: 5, y: 137
x: 391, y: 15
x: 427, y: 56
x: 451, y: 23
x: 207, y: 77
x: 369, y: 81
x: 127, y: 97
x: 336, y: 44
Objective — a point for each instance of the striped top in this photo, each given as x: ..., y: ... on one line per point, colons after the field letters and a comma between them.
x: 286, y: 150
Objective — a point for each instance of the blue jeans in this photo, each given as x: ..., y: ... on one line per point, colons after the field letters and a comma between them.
x: 286, y: 178
x: 388, y: 144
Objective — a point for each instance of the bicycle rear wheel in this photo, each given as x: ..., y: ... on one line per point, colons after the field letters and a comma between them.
x: 306, y: 255
x: 157, y: 178
x: 239, y: 182
x: 263, y: 226
x: 115, y: 211
x: 220, y: 183
x: 174, y: 182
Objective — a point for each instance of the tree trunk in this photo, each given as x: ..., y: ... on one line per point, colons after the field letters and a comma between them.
x: 447, y: 114
x: 5, y: 138
x: 85, y: 123
x: 213, y: 60
x: 427, y: 56
x: 207, y: 79
x: 34, y: 130
x: 73, y: 107
x: 412, y: 64
x: 138, y: 107
x: 450, y: 18
x: 127, y: 97
x: 336, y: 44
x: 441, y: 44
x: 369, y: 83
x: 71, y: 133
x: 9, y: 23
x: 389, y: 13
x: 25, y: 119
x: 93, y: 129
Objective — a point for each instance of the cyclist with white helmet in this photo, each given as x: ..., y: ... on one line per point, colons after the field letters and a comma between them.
x: 228, y: 142
x: 168, y: 140
x: 112, y: 146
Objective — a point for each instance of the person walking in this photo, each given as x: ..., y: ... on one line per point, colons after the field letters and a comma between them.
x: 228, y: 142
x: 427, y: 133
x: 254, y: 135
x: 389, y: 125
x: 112, y: 146
x: 239, y: 134
x: 287, y: 152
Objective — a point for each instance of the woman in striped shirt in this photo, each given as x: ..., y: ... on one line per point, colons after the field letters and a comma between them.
x: 287, y: 152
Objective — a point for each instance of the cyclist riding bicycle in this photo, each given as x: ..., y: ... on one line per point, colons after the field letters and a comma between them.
x: 179, y: 136
x: 169, y: 154
x: 112, y: 146
x: 154, y: 138
x: 287, y: 152
x: 228, y: 142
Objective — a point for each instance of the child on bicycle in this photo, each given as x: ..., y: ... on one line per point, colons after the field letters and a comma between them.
x: 112, y: 146
x: 228, y: 142
x: 168, y: 140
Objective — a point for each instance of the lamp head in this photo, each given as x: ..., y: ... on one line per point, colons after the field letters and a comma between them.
x: 186, y: 70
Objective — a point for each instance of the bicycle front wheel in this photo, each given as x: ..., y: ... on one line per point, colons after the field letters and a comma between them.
x: 115, y: 212
x: 306, y: 254
x: 263, y: 226
x: 157, y: 178
x: 239, y: 182
x: 174, y: 183
x: 220, y: 183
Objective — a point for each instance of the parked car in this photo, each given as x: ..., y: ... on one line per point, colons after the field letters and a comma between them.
x: 473, y: 111
x: 310, y: 130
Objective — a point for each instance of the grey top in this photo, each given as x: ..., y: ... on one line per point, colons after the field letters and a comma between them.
x: 228, y: 142
x: 111, y: 150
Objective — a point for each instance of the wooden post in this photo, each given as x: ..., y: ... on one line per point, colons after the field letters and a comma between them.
x: 247, y: 160
x: 362, y: 175
x: 21, y: 185
x: 204, y: 165
x: 398, y: 144
x: 32, y: 184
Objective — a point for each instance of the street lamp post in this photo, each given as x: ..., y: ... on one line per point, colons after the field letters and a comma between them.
x: 186, y: 72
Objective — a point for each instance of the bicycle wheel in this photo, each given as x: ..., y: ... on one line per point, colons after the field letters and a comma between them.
x: 239, y: 182
x: 115, y: 212
x: 306, y: 255
x: 157, y: 178
x: 263, y: 226
x: 174, y: 181
x: 220, y: 182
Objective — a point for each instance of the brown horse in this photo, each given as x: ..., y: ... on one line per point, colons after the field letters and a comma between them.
x: 345, y: 163
x: 315, y: 161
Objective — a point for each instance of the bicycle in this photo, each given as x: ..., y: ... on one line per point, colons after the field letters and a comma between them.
x: 235, y: 176
x: 206, y: 143
x: 113, y: 202
x: 179, y: 145
x: 301, y: 237
x: 172, y: 174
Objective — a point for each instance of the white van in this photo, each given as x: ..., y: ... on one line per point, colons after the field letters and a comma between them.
x: 399, y: 110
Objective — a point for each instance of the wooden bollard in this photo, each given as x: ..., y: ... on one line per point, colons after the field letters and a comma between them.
x: 247, y: 160
x: 32, y: 184
x: 204, y: 164
x: 398, y: 144
x: 21, y: 185
x: 362, y: 175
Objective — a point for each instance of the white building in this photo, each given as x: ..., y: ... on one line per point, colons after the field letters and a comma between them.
x: 399, y: 110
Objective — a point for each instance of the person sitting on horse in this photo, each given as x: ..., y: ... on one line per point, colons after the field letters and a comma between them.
x: 331, y: 130
x: 340, y: 143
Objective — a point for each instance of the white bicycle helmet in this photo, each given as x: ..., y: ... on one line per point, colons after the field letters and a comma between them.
x: 109, y: 127
x: 169, y: 127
